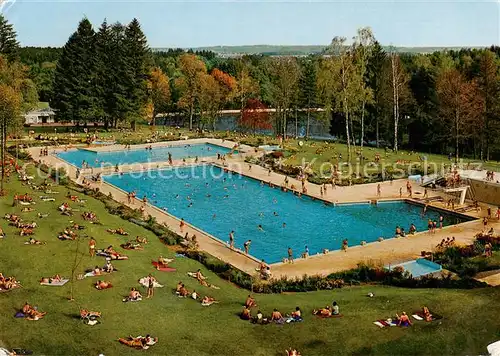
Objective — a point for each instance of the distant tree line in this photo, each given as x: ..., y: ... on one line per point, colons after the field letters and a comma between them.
x: 442, y: 102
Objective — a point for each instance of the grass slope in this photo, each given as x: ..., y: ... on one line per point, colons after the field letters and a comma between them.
x: 184, y: 327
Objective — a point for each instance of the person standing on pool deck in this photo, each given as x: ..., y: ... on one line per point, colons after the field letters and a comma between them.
x: 379, y: 190
x: 181, y: 225
x: 246, y: 245
x: 290, y: 255
x: 231, y: 239
x: 441, y: 221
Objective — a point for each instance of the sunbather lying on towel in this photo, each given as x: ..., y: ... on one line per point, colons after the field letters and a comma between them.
x: 323, y: 312
x: 56, y: 278
x: 42, y: 216
x: 207, y: 301
x: 7, y: 283
x: 26, y: 232
x: 32, y: 241
x: 292, y: 352
x: 139, y: 342
x: 86, y: 314
x: 131, y: 246
x: 113, y: 254
x: 27, y: 210
x: 2, y: 233
x: 100, y: 285
x: 118, y: 231
x: 202, y: 279
x: 163, y: 262
x: 133, y: 296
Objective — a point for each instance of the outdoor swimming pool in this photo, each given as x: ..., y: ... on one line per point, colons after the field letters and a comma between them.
x: 218, y: 202
x: 94, y: 159
x: 419, y: 267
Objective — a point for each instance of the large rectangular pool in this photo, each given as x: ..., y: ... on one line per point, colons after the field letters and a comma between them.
x: 218, y: 202
x: 157, y: 154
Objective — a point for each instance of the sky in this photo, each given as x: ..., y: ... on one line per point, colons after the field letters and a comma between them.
x: 195, y: 23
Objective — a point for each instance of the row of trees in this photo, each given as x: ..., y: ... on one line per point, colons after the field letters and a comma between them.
x: 441, y: 102
x: 17, y: 92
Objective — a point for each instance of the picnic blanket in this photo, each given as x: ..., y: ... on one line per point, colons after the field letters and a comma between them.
x: 56, y: 283
x: 163, y: 269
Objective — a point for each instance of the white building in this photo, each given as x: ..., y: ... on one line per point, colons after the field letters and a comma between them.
x: 39, y: 117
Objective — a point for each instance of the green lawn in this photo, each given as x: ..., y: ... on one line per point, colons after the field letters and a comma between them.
x: 184, y: 327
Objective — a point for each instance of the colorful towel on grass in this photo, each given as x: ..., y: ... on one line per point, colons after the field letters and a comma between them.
x: 163, y: 269
x: 420, y: 316
x: 384, y: 323
x: 56, y: 283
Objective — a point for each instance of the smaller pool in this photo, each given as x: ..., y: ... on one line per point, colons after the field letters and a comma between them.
x: 419, y: 267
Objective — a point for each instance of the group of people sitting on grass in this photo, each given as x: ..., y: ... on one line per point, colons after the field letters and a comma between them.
x: 181, y: 291
x: 276, y: 316
x: 328, y: 311
x: 8, y: 283
x: 89, y: 216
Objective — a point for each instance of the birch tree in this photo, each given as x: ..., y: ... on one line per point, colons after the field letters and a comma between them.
x: 399, y: 79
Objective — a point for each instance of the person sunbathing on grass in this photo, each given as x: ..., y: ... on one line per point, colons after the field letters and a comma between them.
x: 163, y: 262
x: 297, y: 314
x: 27, y: 210
x: 276, y: 316
x: 32, y: 241
x: 119, y: 231
x: 250, y: 302
x: 183, y: 292
x: 426, y: 314
x: 100, y: 285
x: 2, y: 233
x: 26, y: 232
x: 131, y: 246
x: 67, y: 234
x: 245, y: 314
x: 292, y: 352
x: 139, y: 342
x: 134, y: 295
x: 141, y: 240
x: 323, y: 312
x: 84, y: 313
x: 178, y: 287
x: 56, y: 278
x: 403, y: 320
x: 108, y: 268
x: 96, y: 271
x: 31, y: 313
x: 208, y: 300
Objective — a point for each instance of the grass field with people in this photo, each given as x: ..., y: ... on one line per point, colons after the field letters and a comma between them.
x: 183, y: 326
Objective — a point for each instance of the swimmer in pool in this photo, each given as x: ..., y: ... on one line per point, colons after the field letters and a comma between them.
x: 261, y: 215
x: 275, y: 214
x: 275, y: 201
x: 284, y: 225
x: 260, y: 228
x: 209, y: 195
x: 214, y: 216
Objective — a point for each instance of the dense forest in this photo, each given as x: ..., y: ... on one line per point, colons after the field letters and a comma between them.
x: 445, y: 101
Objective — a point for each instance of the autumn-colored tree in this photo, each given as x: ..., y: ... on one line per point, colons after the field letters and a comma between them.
x: 461, y: 104
x: 209, y: 99
x: 227, y: 84
x: 255, y: 116
x: 192, y: 69
x: 246, y: 87
x: 160, y: 92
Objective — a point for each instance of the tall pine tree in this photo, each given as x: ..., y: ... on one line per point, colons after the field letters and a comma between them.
x: 139, y: 62
x: 75, y: 77
x: 9, y: 47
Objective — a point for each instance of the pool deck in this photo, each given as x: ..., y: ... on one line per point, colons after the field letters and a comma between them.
x: 386, y: 252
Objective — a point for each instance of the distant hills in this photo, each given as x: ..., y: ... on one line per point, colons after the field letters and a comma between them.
x: 297, y: 50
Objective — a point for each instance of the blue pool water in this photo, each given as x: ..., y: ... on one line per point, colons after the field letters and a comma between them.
x: 76, y: 157
x: 241, y: 204
x: 419, y: 267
